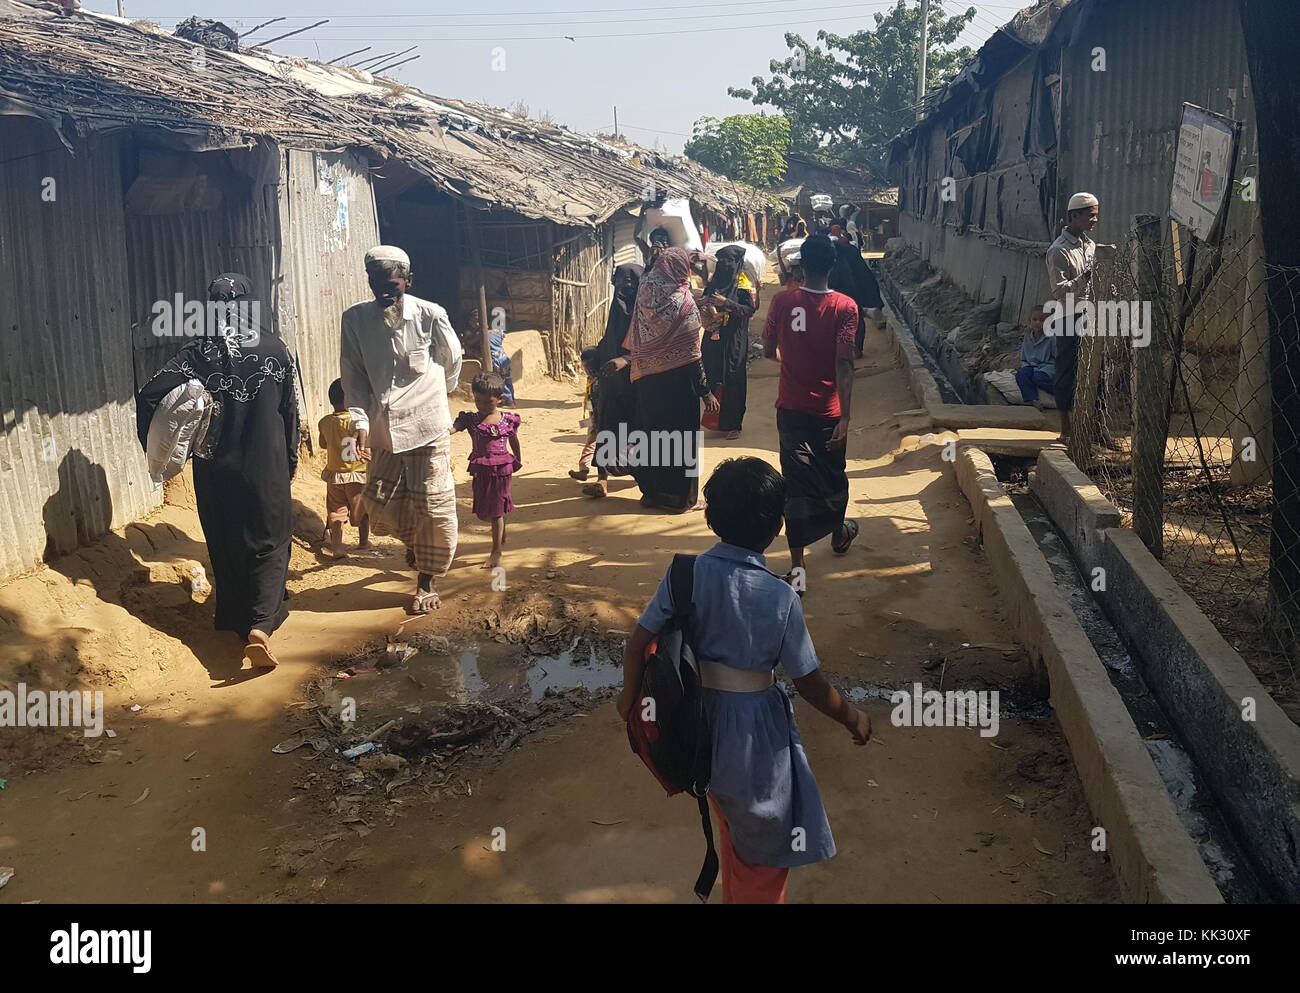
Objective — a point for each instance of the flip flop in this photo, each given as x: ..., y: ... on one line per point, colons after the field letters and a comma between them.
x: 852, y: 528
x: 424, y: 603
x: 259, y: 656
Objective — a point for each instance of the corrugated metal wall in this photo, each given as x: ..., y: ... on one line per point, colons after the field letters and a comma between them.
x: 70, y: 465
x: 1121, y: 125
x: 626, y: 250
x: 1118, y: 137
x: 182, y: 251
x: 329, y: 218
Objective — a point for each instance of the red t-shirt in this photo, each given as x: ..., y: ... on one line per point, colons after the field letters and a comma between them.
x: 808, y: 327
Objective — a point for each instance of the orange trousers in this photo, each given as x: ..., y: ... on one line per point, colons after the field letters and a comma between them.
x: 746, y: 882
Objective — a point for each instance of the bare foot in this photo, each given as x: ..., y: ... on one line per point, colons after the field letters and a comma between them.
x: 493, y: 561
x: 731, y: 435
x: 364, y: 546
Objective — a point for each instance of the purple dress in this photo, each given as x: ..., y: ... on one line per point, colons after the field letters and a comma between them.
x: 491, y: 462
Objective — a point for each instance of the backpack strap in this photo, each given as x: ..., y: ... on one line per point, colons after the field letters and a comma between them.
x: 681, y: 581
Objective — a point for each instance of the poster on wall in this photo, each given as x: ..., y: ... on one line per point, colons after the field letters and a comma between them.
x: 1202, y: 170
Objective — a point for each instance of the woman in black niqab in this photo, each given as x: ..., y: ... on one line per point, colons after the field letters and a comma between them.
x: 614, y: 403
x: 242, y: 475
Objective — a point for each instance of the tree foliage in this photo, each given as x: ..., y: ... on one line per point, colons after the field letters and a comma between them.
x: 846, y: 100
x: 746, y: 147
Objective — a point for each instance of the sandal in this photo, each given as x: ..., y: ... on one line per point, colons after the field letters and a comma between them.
x: 596, y: 490
x: 259, y: 656
x: 424, y: 602
x: 851, y: 529
x: 731, y: 435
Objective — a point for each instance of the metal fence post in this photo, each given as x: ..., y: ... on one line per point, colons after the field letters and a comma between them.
x: 1150, y: 390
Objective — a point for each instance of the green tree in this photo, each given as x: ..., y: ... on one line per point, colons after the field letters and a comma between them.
x: 847, y: 100
x: 746, y: 147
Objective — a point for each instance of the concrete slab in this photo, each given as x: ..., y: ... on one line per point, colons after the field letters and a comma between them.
x: 961, y: 415
x: 1155, y: 861
x: 1007, y: 441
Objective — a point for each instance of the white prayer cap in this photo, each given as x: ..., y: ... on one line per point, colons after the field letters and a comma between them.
x: 1081, y: 201
x: 388, y: 253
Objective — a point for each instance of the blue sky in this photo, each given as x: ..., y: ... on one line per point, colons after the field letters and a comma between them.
x: 697, y: 49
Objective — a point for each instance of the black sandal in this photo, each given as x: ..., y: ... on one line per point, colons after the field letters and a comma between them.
x: 851, y: 528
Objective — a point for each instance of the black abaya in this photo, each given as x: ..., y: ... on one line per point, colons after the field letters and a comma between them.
x: 670, y: 402
x: 726, y: 364
x: 244, y: 502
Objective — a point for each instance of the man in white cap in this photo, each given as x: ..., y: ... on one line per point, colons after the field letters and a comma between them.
x: 400, y: 361
x: 1070, y: 261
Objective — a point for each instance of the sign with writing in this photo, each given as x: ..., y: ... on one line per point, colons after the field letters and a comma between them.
x: 1202, y: 170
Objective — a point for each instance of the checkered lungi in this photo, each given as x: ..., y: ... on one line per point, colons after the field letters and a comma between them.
x: 412, y: 496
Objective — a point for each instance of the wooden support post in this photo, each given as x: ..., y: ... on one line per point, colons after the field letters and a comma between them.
x: 476, y: 260
x: 1150, y: 390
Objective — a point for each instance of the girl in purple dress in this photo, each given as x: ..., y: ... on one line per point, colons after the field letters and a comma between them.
x: 491, y: 465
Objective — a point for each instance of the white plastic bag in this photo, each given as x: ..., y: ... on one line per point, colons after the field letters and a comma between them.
x: 178, y: 426
x: 675, y: 216
x: 755, y: 261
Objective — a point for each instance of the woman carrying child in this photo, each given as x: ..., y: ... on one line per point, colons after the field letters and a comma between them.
x: 491, y: 465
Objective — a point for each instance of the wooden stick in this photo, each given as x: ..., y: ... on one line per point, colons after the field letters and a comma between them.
x: 290, y: 34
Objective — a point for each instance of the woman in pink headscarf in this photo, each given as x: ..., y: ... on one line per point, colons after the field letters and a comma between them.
x: 669, y: 383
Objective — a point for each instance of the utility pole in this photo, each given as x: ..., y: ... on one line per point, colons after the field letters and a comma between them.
x: 925, y: 46
x: 120, y: 11
x: 616, y: 120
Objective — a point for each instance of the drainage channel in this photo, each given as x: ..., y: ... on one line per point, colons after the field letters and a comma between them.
x: 1224, y: 857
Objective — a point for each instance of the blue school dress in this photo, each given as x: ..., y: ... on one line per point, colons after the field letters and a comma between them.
x: 748, y: 618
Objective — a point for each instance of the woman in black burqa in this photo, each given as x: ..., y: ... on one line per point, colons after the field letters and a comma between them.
x: 726, y: 344
x: 243, y: 486
x: 613, y: 400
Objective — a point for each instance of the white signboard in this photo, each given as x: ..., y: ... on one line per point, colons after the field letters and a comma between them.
x: 1202, y: 169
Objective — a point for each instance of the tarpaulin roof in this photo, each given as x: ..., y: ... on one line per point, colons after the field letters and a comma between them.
x: 84, y: 72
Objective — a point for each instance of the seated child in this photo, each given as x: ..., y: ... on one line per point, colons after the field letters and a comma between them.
x: 344, y: 473
x: 1038, y: 358
x: 497, y: 348
x: 490, y: 464
x: 588, y: 421
x: 747, y: 621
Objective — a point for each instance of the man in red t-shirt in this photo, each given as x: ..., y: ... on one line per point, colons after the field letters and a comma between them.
x: 810, y: 330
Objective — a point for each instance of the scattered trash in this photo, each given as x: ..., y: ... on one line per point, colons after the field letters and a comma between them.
x: 2, y: 783
x: 1039, y: 845
x: 6, y: 874
x: 1019, y: 803
x: 304, y: 736
x: 190, y: 755
x: 111, y: 733
x: 872, y: 782
x: 141, y: 798
x: 361, y: 749
x: 607, y: 823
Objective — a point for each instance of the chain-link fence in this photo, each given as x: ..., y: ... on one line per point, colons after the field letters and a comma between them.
x: 1189, y: 424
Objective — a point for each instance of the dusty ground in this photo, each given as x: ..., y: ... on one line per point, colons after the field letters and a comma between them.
x: 920, y: 815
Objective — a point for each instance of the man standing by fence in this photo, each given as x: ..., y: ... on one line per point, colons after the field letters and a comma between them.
x: 1070, y: 262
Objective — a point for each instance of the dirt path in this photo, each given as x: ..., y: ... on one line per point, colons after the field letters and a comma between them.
x: 922, y: 815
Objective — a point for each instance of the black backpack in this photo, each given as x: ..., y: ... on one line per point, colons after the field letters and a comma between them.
x: 667, y: 726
